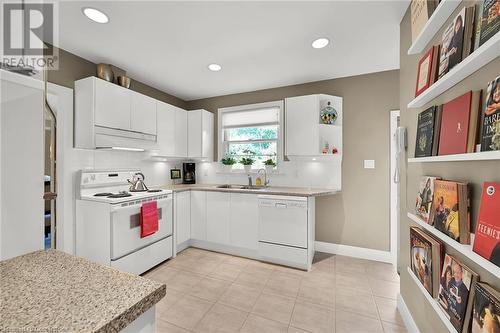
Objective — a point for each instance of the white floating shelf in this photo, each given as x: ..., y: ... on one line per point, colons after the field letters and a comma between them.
x: 465, y: 250
x: 477, y: 59
x: 440, y: 312
x: 479, y: 156
x: 435, y: 22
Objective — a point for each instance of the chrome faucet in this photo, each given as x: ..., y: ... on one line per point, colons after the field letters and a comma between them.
x: 266, y: 182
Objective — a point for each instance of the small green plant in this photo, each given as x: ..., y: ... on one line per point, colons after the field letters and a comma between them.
x: 228, y: 160
x: 270, y: 162
x: 247, y: 161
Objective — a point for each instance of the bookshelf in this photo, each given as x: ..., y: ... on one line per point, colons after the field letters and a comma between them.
x: 435, y: 22
x: 479, y: 156
x: 465, y: 250
x: 477, y: 59
x: 442, y: 315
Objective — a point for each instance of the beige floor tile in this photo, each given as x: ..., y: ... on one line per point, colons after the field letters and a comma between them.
x: 257, y: 324
x: 210, y: 289
x: 312, y: 317
x: 240, y: 297
x: 163, y: 274
x: 292, y: 329
x: 256, y: 263
x: 291, y: 271
x: 382, y: 271
x: 388, y: 310
x: 393, y: 328
x: 238, y: 261
x: 172, y: 297
x: 277, y: 308
x: 320, y: 278
x: 221, y: 319
x: 352, y: 282
x: 165, y: 327
x: 350, y: 265
x: 352, y: 302
x: 317, y: 294
x: 226, y: 271
x: 283, y: 284
x: 384, y: 288
x: 201, y: 267
x: 187, y: 312
x: 183, y: 281
x: 255, y: 277
x: 349, y: 322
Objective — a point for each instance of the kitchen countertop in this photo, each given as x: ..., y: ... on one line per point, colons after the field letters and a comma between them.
x: 56, y: 292
x: 274, y: 190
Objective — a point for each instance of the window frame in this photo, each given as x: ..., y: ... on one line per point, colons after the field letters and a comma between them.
x: 221, y: 147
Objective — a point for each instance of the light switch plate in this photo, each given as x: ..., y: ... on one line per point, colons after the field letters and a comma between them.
x: 369, y: 164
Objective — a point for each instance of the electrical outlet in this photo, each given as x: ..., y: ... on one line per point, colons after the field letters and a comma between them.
x: 369, y: 164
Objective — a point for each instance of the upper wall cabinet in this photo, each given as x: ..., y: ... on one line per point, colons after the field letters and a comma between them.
x: 112, y: 102
x: 143, y: 113
x: 313, y: 126
x: 201, y: 135
x: 172, y: 130
x: 181, y: 132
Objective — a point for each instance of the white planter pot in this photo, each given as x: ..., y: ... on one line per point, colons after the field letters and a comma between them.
x: 227, y: 168
x: 247, y: 168
x: 269, y: 169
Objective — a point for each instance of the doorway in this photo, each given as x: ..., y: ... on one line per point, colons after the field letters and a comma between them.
x: 50, y: 179
x: 397, y: 147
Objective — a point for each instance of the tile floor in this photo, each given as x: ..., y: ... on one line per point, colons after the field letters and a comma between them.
x: 214, y: 292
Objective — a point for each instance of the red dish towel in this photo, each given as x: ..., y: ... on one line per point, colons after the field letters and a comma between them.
x: 149, y: 218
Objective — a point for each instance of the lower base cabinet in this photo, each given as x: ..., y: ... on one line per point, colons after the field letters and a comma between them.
x: 199, y: 215
x: 244, y: 217
x: 182, y: 202
x: 218, y: 217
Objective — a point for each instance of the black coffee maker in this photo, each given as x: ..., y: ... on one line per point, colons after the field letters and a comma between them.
x: 188, y: 173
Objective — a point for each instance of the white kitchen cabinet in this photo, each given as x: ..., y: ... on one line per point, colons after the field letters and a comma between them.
x: 201, y: 135
x: 218, y: 205
x: 305, y: 135
x: 199, y: 215
x: 166, y: 129
x: 181, y: 133
x: 244, y: 217
x: 112, y: 105
x: 182, y: 216
x: 142, y: 113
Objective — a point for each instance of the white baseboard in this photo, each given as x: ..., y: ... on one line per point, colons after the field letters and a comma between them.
x: 411, y: 326
x: 353, y: 251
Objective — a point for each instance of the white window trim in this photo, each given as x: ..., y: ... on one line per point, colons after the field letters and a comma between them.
x: 246, y: 107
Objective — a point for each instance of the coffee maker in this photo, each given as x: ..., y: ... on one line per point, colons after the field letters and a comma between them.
x: 188, y: 173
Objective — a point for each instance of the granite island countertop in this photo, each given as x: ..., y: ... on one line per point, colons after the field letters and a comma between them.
x: 272, y: 190
x: 52, y: 291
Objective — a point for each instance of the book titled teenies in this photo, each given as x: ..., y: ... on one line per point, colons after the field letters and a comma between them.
x: 456, y: 292
x: 487, y: 240
x: 426, y: 257
x: 486, y: 309
x: 490, y: 119
x: 425, y: 132
x: 424, y: 197
x: 450, y: 210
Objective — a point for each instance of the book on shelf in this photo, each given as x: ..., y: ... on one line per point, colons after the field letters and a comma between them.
x: 451, y: 44
x: 490, y: 118
x: 427, y: 70
x: 490, y: 20
x: 485, y: 309
x: 450, y: 210
x: 456, y: 292
x: 468, y: 43
x: 487, y: 239
x: 420, y: 11
x: 426, y: 259
x: 424, y: 197
x: 474, y: 121
x: 478, y: 12
x: 425, y: 132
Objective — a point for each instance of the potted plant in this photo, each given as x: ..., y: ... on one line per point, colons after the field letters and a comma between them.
x: 247, y: 163
x: 228, y: 163
x: 269, y: 165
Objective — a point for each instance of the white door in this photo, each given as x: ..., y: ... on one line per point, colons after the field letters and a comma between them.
x: 194, y: 123
x: 397, y: 153
x: 218, y: 217
x: 112, y: 105
x: 166, y: 129
x: 181, y: 132
x: 183, y: 216
x: 244, y: 221
x: 199, y: 215
x: 143, y: 113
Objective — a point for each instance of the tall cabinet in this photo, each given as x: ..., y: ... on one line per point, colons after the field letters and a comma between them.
x: 172, y: 134
x: 201, y: 135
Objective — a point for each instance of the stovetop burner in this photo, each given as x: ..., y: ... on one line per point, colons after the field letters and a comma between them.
x: 104, y: 194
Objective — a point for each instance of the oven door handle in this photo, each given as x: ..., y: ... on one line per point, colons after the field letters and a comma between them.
x: 161, y: 202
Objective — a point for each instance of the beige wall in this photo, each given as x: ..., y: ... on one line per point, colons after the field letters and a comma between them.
x: 473, y: 172
x: 359, y: 216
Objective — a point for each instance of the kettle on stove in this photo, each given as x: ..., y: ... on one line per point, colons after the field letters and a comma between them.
x: 137, y: 184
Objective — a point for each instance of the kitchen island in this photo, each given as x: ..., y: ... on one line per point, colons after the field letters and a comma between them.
x: 52, y: 291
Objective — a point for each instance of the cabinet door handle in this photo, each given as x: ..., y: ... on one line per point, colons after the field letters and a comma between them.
x: 280, y: 205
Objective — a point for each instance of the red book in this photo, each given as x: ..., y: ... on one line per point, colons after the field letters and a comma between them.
x: 455, y: 125
x: 487, y: 240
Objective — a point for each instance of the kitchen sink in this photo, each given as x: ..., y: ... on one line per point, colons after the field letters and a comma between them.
x: 243, y: 187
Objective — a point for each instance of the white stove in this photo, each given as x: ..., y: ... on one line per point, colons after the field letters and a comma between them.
x: 108, y: 222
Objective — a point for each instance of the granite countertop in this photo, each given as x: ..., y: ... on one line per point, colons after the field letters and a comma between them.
x: 56, y: 292
x: 273, y: 190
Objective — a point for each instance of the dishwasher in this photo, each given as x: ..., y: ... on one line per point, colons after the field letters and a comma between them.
x: 283, y: 220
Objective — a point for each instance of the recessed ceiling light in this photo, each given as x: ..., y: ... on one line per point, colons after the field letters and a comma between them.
x: 95, y: 15
x: 214, y: 67
x: 320, y: 43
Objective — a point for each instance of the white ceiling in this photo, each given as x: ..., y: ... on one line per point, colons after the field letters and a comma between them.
x: 260, y: 45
